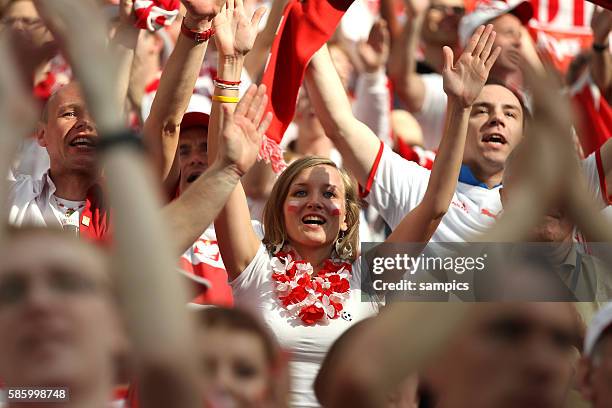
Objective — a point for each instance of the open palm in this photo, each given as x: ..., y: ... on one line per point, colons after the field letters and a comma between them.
x: 243, y: 130
x: 235, y: 32
x: 464, y: 79
x: 205, y: 9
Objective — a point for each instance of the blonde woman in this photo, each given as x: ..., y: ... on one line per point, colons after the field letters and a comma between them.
x: 303, y: 277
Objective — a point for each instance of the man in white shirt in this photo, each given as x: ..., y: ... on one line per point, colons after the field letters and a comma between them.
x: 394, y: 186
x: 423, y: 94
x: 68, y: 194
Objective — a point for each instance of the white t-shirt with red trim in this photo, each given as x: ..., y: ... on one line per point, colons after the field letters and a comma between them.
x: 396, y: 186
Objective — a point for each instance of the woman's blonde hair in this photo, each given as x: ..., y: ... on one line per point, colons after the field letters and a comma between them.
x: 274, y: 221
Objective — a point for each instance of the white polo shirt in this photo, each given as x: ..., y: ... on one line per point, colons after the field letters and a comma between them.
x: 396, y: 186
x: 31, y: 203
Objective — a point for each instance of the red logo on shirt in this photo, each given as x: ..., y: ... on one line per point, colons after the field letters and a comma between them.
x: 461, y: 205
x: 488, y: 213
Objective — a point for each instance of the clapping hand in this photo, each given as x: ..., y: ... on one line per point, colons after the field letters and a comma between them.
x: 374, y: 52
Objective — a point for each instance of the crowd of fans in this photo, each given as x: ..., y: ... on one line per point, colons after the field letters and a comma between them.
x: 190, y: 184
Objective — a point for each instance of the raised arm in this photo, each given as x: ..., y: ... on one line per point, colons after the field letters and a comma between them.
x: 240, y: 137
x: 606, y: 162
x: 255, y: 60
x: 372, y: 97
x: 601, y: 63
x: 601, y: 71
x: 236, y: 33
x: 124, y: 43
x: 163, y: 346
x: 355, y: 141
x: 17, y: 119
x: 162, y: 128
x: 402, y: 68
x: 463, y: 82
x: 389, y: 14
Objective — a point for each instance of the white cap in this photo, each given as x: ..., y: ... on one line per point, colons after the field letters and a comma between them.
x: 487, y: 10
x: 599, y: 324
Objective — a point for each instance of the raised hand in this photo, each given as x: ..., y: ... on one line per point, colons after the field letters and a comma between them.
x: 203, y: 9
x: 235, y: 32
x: 243, y: 130
x: 601, y: 24
x: 374, y: 53
x: 464, y: 79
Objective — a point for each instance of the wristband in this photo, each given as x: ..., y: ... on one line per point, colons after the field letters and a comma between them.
x: 198, y: 37
x: 121, y: 138
x: 225, y: 99
x: 600, y: 47
x: 224, y: 82
x: 227, y: 87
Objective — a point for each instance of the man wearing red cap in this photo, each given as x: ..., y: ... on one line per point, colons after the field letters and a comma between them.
x: 178, y: 141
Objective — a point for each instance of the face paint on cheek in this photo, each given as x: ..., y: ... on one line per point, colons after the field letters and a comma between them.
x: 293, y: 206
x: 333, y: 209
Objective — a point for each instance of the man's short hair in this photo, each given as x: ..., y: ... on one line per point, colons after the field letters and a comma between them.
x: 520, y: 95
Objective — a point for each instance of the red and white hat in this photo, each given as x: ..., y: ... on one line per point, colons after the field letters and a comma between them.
x: 487, y: 10
x: 600, y: 323
x: 197, y: 113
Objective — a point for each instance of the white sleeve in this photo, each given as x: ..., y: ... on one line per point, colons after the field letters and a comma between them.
x: 372, y: 104
x: 395, y: 186
x: 431, y: 116
x: 596, y: 179
x: 22, y: 190
x: 247, y: 287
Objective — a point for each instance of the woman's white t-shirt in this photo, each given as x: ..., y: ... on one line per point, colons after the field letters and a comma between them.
x: 254, y: 289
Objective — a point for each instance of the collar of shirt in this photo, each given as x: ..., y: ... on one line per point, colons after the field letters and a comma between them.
x: 94, y: 222
x: 466, y: 176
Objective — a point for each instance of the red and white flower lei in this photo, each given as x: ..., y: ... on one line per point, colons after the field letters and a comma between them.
x: 313, y: 299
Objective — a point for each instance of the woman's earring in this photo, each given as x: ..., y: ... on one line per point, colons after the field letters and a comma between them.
x: 344, y: 251
x: 278, y: 247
